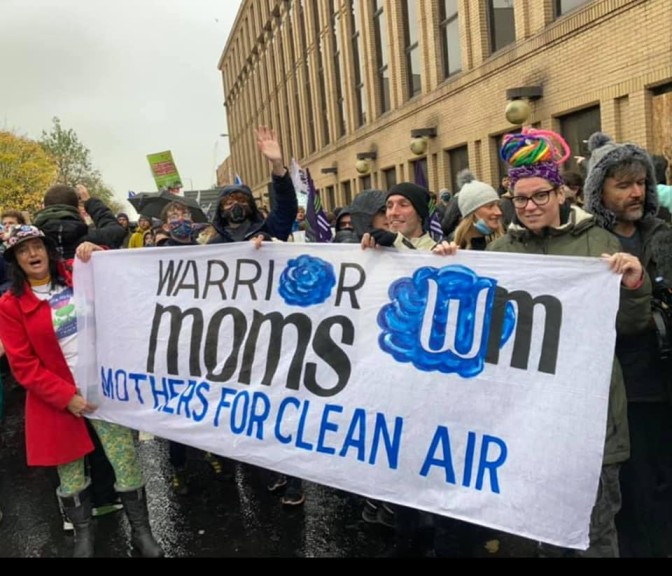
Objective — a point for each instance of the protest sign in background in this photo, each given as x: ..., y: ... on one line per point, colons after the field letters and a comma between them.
x: 474, y: 386
x: 164, y: 169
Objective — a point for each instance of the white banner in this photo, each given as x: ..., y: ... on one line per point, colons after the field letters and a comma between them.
x: 474, y: 386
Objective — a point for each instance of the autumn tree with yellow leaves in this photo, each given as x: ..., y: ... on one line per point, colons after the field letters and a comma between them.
x: 26, y: 171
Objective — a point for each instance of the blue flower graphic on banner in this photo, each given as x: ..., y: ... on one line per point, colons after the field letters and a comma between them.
x: 439, y: 320
x: 307, y: 281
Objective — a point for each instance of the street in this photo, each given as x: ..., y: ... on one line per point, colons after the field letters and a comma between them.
x: 230, y: 515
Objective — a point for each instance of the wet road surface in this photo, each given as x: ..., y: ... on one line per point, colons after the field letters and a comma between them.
x: 227, y: 515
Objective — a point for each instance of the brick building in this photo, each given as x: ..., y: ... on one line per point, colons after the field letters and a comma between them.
x: 428, y: 81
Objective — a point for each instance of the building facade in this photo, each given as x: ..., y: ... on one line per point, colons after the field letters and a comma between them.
x: 366, y: 93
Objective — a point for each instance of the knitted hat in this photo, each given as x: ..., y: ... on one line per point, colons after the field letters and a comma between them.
x: 19, y: 234
x: 474, y: 194
x: 416, y: 195
x: 534, y: 153
x: 606, y: 154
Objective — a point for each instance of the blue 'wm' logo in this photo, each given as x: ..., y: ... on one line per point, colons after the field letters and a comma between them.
x: 450, y: 320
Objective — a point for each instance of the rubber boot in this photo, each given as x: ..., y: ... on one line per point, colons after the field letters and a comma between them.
x: 135, y: 506
x: 78, y: 509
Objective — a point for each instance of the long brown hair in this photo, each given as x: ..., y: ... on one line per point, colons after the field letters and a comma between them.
x: 466, y: 232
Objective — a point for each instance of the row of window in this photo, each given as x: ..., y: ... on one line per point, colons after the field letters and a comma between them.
x: 287, y: 64
x: 575, y: 128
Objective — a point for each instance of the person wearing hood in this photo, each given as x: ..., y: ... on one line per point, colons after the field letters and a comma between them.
x: 344, y: 230
x: 238, y: 218
x: 367, y: 211
x: 481, y: 221
x: 61, y: 221
x: 137, y: 238
x: 620, y: 190
x: 547, y: 225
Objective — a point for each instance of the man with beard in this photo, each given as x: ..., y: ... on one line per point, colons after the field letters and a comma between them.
x: 620, y: 190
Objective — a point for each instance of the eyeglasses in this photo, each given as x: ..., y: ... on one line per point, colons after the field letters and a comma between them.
x: 540, y: 198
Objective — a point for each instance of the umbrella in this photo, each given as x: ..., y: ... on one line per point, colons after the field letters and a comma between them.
x: 151, y: 204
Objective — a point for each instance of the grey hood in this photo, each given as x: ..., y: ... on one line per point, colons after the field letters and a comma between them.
x: 605, y: 154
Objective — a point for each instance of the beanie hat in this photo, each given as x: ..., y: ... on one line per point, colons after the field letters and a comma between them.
x: 474, y: 194
x: 605, y: 154
x: 416, y: 195
x: 122, y: 215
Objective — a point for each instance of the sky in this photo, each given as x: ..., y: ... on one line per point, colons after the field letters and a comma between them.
x: 130, y: 77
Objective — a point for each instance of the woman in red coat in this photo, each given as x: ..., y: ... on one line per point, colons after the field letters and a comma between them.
x: 38, y: 327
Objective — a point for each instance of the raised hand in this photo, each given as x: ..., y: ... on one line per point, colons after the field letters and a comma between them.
x: 269, y: 146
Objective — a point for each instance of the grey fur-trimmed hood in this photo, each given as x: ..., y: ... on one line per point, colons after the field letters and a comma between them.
x: 605, y: 153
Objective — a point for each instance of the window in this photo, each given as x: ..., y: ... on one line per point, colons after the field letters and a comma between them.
x: 420, y: 172
x: 501, y: 23
x: 382, y: 59
x: 412, y: 48
x: 564, y: 6
x: 302, y: 29
x: 310, y: 118
x: 307, y: 85
x: 458, y: 159
x: 324, y: 112
x: 365, y: 183
x: 576, y: 128
x: 451, y: 50
x: 389, y: 177
x: 331, y: 199
x: 661, y: 112
x: 503, y: 167
x: 338, y: 78
x: 347, y: 192
x: 298, y: 142
x: 360, y: 93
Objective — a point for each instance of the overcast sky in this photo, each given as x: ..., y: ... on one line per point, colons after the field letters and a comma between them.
x: 131, y: 77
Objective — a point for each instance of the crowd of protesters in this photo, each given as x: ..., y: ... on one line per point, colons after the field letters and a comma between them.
x: 615, y: 207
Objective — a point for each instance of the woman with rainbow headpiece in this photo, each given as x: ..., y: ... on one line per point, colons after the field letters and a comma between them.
x: 546, y: 225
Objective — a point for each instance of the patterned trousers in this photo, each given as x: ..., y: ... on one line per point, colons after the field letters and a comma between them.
x: 120, y: 449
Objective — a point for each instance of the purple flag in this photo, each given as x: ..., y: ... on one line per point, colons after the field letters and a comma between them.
x: 319, y: 229
x: 435, y: 229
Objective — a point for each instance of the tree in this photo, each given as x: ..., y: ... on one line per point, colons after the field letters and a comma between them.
x: 26, y: 171
x: 74, y: 163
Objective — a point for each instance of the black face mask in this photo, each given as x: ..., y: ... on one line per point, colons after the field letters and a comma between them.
x: 237, y: 214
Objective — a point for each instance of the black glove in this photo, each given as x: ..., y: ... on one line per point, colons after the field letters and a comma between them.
x: 383, y: 237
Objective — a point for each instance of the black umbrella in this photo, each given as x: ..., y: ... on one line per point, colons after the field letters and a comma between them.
x: 151, y: 204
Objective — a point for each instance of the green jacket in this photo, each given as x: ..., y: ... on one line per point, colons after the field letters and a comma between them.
x: 580, y: 236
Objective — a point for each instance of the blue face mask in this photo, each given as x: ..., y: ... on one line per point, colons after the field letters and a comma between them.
x: 181, y: 230
x: 483, y: 228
